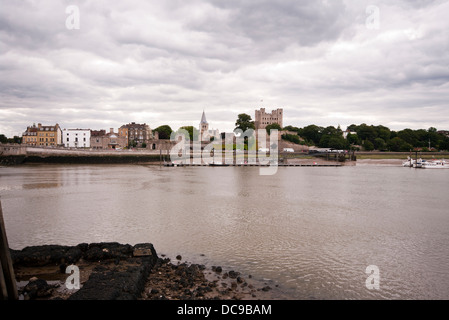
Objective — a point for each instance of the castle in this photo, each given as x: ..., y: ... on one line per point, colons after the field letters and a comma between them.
x: 263, y: 119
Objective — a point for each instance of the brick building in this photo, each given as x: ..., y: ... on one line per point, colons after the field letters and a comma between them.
x: 101, y: 140
x: 136, y: 133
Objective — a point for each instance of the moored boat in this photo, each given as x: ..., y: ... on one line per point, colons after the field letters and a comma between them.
x: 435, y: 164
x: 415, y: 163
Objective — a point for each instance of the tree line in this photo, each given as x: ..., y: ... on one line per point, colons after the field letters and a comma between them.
x: 15, y: 139
x: 370, y: 137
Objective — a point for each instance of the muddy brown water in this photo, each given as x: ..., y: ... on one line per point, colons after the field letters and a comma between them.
x: 311, y: 231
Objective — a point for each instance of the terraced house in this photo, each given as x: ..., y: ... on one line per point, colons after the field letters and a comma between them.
x: 42, y: 135
x: 76, y: 138
x: 137, y: 134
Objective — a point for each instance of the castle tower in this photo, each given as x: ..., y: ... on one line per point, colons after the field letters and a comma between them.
x: 262, y: 118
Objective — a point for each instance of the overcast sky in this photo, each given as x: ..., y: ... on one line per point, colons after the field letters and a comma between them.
x: 164, y: 62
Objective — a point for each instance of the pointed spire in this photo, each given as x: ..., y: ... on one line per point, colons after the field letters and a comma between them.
x: 203, y: 118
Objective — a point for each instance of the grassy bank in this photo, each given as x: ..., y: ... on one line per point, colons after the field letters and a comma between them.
x: 401, y: 156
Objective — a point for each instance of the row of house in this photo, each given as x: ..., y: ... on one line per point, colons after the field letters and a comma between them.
x: 131, y: 134
x: 128, y: 135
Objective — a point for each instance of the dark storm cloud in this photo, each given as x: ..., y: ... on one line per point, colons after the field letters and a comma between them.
x: 281, y: 23
x: 164, y: 62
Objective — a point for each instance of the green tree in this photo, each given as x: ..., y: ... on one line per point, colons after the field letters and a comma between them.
x: 273, y: 126
x: 405, y: 147
x: 352, y: 138
x: 409, y: 136
x: 3, y: 138
x: 291, y: 128
x: 379, y: 144
x: 383, y: 132
x: 366, y: 132
x: 17, y: 139
x: 395, y: 144
x: 193, y: 132
x: 312, y: 133
x: 164, y: 131
x: 444, y: 144
x: 291, y: 138
x: 368, y: 145
x: 244, y: 122
x: 337, y: 142
x: 352, y: 128
x: 331, y: 130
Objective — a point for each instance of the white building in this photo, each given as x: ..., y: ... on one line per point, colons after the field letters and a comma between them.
x: 76, y: 138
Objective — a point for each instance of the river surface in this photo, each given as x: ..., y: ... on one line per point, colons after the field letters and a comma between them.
x: 312, y: 231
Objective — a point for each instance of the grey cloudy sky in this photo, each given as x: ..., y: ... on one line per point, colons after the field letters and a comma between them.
x: 164, y: 62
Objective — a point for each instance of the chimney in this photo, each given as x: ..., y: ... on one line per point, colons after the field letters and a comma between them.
x: 111, y: 130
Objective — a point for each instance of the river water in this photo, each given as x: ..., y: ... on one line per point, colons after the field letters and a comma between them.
x: 311, y: 231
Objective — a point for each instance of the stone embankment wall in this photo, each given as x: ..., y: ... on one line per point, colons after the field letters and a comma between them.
x: 18, y: 154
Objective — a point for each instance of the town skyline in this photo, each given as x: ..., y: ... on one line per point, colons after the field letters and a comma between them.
x: 198, y: 125
x: 325, y: 63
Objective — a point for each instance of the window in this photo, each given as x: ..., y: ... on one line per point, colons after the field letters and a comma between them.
x: 68, y: 139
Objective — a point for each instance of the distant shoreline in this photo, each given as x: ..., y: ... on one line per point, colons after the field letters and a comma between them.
x: 56, y: 156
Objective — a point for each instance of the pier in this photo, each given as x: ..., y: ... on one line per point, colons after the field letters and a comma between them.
x: 251, y: 165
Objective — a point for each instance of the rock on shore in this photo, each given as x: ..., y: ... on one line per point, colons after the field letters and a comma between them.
x: 113, y: 271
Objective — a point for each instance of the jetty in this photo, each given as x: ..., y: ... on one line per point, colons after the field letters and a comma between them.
x: 254, y: 165
x: 15, y: 154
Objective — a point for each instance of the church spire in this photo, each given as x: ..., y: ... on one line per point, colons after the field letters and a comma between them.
x: 203, y: 118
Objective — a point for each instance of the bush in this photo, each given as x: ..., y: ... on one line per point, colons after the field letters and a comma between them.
x: 291, y: 138
x: 271, y: 127
x: 405, y: 147
x: 368, y: 146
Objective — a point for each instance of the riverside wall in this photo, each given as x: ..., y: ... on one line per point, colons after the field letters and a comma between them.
x: 19, y: 154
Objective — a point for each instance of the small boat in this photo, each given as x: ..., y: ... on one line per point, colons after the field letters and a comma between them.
x: 435, y: 164
x: 415, y: 163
